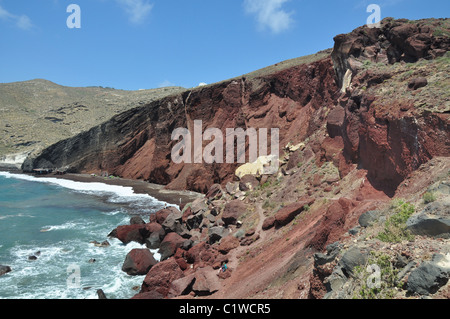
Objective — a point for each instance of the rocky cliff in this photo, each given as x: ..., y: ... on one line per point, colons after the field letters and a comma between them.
x: 363, y: 177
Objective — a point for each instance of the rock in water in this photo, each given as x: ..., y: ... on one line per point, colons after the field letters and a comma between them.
x: 138, y: 262
x: 4, y: 269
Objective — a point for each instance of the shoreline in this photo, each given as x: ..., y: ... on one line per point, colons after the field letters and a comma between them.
x: 180, y: 198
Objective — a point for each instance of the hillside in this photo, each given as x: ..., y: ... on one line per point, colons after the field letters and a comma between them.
x: 363, y: 179
x: 38, y: 113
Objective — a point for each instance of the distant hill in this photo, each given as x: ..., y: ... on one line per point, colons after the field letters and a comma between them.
x: 35, y: 114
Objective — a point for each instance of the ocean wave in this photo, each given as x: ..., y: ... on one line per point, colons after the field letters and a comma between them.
x: 119, y: 194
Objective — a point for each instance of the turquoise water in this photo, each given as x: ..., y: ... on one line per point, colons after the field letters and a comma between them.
x: 55, y: 220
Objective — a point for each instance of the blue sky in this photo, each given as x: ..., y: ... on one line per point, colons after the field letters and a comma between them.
x: 142, y: 44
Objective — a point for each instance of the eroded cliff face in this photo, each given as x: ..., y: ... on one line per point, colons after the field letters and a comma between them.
x: 353, y: 126
x: 137, y: 144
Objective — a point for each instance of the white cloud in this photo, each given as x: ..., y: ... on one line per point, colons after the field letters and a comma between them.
x: 270, y: 14
x: 137, y: 10
x: 23, y: 22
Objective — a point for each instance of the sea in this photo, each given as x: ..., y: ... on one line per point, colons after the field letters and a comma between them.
x: 47, y: 230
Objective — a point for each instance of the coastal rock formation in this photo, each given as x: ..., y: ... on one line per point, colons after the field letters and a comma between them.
x: 360, y: 128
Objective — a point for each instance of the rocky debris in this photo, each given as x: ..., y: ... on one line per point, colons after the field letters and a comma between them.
x: 4, y: 270
x: 433, y: 220
x: 286, y: 214
x: 138, y: 262
x: 430, y: 275
x: 332, y: 251
x: 232, y: 211
x: 215, y: 192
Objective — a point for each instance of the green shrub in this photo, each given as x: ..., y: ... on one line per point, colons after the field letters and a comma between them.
x: 395, y: 227
x: 388, y: 278
x: 428, y: 197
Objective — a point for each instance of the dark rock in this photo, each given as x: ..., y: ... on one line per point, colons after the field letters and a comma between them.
x: 430, y: 275
x: 434, y: 220
x: 353, y: 257
x: 153, y: 242
x: 170, y: 244
x: 4, y: 270
x: 248, y: 183
x: 368, y: 218
x: 194, y: 221
x: 172, y: 222
x: 138, y: 262
x: 354, y: 230
x: 216, y: 233
x: 101, y: 294
x: 32, y: 257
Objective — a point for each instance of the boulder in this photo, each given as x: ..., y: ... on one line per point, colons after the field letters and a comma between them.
x: 206, y: 282
x: 138, y: 262
x: 268, y: 223
x: 161, y: 215
x: 4, y: 270
x: 227, y: 244
x: 170, y: 244
x: 248, y: 183
x: 182, y: 286
x: 286, y: 214
x: 129, y: 233
x: 194, y: 221
x: 216, y: 233
x: 430, y: 275
x: 232, y: 211
x: 368, y: 218
x: 433, y: 220
x: 353, y: 257
x: 417, y: 83
x: 160, y: 276
x: 135, y: 220
x: 232, y: 187
x: 172, y: 222
x: 199, y: 206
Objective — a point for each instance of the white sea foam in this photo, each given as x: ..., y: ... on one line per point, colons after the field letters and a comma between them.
x: 122, y: 194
